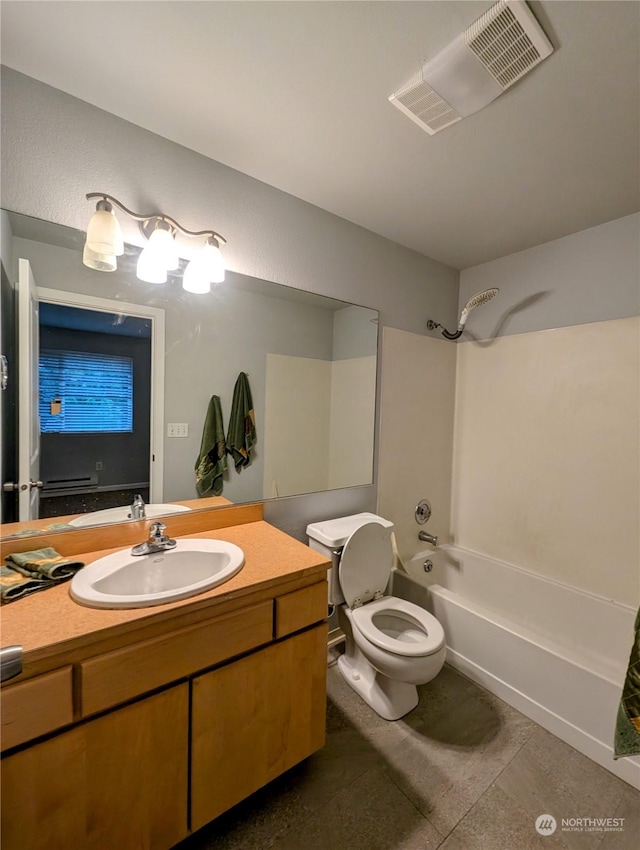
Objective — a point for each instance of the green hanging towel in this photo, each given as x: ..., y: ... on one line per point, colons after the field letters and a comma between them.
x: 241, y: 433
x: 627, y: 731
x: 212, y: 460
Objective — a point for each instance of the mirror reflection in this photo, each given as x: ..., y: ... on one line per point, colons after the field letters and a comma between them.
x: 110, y: 380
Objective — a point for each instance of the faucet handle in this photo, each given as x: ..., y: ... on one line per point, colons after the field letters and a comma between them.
x: 157, y: 541
x: 157, y: 530
x: 158, y: 538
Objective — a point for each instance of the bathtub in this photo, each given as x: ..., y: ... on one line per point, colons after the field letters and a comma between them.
x: 556, y: 653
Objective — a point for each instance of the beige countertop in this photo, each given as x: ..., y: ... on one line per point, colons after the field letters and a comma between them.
x: 51, y: 625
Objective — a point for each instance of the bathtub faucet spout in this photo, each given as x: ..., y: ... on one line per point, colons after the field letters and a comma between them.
x: 428, y: 538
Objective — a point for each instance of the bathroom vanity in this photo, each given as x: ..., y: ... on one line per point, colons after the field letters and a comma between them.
x: 133, y: 728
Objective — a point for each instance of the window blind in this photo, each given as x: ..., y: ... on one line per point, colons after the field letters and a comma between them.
x: 95, y: 392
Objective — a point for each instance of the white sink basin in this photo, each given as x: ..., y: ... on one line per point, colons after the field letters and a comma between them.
x: 123, y: 580
x: 124, y: 513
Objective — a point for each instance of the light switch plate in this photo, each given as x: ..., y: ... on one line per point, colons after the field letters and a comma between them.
x: 178, y: 429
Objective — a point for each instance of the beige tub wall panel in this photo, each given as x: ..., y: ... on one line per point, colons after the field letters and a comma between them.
x: 416, y: 433
x: 546, y: 455
x: 296, y: 427
x: 352, y: 414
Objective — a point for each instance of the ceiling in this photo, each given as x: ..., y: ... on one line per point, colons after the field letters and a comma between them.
x: 296, y: 95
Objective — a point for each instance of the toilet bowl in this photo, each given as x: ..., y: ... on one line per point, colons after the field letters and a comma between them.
x: 391, y: 645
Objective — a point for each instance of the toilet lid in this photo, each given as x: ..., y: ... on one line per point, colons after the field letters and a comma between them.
x: 366, y: 563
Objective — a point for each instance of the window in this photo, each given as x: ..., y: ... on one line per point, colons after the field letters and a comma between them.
x: 95, y: 392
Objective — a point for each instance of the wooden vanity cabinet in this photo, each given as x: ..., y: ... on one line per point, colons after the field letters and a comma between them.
x: 141, y: 770
x: 117, y: 781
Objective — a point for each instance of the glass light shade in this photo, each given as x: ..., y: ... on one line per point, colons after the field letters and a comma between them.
x: 163, y: 246
x: 195, y: 278
x: 104, y: 235
x: 213, y: 263
x: 99, y: 262
x: 150, y: 268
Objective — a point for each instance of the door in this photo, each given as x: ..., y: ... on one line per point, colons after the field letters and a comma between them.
x: 92, y: 304
x: 28, y: 418
x: 8, y: 400
x: 255, y: 718
x: 116, y: 782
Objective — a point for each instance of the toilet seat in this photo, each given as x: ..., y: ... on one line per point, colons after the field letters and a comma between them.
x: 423, y: 636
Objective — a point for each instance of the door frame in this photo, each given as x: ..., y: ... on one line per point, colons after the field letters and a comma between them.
x: 157, y: 318
x: 28, y: 419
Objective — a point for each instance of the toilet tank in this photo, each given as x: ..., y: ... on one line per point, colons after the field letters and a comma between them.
x: 329, y: 537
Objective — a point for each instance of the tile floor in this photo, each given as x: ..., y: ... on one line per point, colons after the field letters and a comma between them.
x: 463, y: 771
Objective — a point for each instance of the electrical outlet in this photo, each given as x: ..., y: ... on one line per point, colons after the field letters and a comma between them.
x: 98, y: 466
x: 178, y: 429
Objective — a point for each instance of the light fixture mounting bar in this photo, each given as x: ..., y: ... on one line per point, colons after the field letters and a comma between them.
x: 155, y: 217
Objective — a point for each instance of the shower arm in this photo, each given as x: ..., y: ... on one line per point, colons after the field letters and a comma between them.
x: 478, y: 299
x: 432, y: 326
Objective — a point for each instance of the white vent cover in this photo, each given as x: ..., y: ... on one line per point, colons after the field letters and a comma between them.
x: 491, y: 55
x: 425, y: 106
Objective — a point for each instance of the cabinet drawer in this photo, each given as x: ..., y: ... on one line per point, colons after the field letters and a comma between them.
x: 126, y: 673
x: 301, y: 608
x: 35, y: 707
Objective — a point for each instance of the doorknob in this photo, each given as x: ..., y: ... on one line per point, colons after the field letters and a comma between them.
x: 10, y: 486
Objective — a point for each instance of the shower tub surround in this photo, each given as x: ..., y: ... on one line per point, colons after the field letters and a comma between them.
x: 556, y: 653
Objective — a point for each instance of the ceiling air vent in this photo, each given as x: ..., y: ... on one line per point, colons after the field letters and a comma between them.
x: 491, y: 55
x: 425, y: 106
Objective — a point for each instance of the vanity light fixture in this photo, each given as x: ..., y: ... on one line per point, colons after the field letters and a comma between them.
x: 160, y: 255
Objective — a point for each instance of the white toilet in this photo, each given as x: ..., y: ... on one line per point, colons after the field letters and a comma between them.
x: 391, y: 645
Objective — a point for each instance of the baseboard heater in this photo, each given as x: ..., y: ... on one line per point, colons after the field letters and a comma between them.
x: 74, y: 486
x: 66, y: 484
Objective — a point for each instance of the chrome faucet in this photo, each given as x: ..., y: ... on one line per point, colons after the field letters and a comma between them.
x: 157, y: 541
x: 137, y: 508
x: 428, y: 538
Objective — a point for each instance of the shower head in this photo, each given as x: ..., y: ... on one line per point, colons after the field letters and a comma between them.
x: 478, y: 299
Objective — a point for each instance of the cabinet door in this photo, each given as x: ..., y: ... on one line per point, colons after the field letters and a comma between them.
x: 254, y: 719
x: 117, y: 781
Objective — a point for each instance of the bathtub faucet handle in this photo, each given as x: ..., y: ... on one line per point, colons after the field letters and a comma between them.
x: 428, y: 538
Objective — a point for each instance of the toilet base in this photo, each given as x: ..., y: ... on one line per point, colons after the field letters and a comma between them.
x: 387, y: 697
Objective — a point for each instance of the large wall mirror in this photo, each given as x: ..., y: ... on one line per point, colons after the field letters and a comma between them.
x: 108, y: 397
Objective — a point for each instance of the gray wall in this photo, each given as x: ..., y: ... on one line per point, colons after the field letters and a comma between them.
x: 355, y: 333
x: 56, y: 148
x: 214, y: 339
x: 590, y: 276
